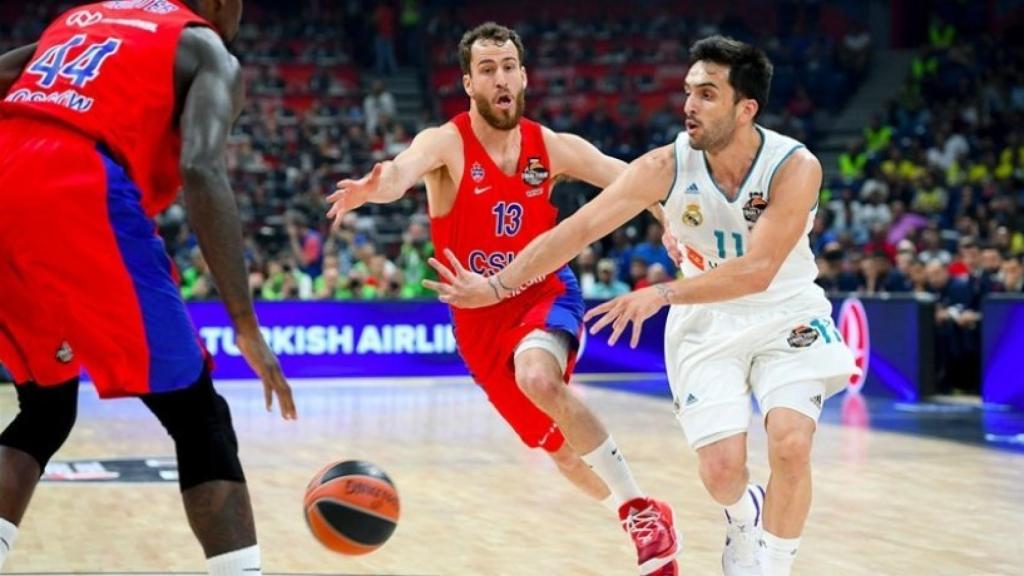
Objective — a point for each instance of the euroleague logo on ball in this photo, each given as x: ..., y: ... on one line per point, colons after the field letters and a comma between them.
x: 853, y: 325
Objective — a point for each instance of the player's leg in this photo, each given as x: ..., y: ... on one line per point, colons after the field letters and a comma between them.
x: 582, y: 476
x: 33, y: 312
x: 706, y: 369
x: 541, y: 363
x: 133, y: 334
x: 170, y: 376
x: 210, y: 475
x: 788, y: 502
x: 540, y: 375
x: 803, y: 363
x: 45, y: 418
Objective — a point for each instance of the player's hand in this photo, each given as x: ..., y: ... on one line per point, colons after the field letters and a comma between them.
x: 461, y: 287
x: 633, y: 308
x: 672, y: 245
x: 263, y: 361
x: 351, y: 194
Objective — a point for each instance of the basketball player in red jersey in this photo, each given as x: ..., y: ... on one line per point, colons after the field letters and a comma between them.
x: 489, y: 174
x: 102, y: 121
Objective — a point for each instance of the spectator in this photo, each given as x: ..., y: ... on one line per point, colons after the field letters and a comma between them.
x: 378, y: 106
x: 306, y: 244
x: 1011, y: 275
x: 653, y: 251
x: 957, y: 336
x: 416, y: 250
x: 607, y: 285
x: 932, y: 248
x: 586, y: 269
x: 384, y: 42
x: 638, y: 273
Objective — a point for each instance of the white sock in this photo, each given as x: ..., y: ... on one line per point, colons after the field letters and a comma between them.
x: 244, y: 562
x: 611, y: 503
x: 747, y: 510
x: 8, y: 534
x: 609, y: 464
x: 777, y: 554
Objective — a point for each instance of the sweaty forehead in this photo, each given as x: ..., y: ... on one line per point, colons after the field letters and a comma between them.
x: 705, y: 72
x: 486, y: 49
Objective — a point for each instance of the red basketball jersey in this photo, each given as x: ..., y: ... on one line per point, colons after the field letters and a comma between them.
x: 106, y: 70
x: 496, y: 215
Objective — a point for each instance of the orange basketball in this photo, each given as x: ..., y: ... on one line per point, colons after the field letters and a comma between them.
x: 351, y: 507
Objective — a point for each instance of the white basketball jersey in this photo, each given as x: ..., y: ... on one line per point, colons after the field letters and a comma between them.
x: 711, y: 229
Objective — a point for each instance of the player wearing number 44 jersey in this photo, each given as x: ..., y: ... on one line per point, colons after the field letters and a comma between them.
x: 747, y: 316
x: 489, y: 174
x: 102, y: 121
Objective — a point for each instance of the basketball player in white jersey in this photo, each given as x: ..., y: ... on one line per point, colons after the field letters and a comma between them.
x: 746, y: 318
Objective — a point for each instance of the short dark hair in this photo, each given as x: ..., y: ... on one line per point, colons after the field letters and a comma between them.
x: 750, y: 71
x: 488, y: 31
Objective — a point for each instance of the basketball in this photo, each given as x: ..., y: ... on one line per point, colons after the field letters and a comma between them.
x: 351, y: 507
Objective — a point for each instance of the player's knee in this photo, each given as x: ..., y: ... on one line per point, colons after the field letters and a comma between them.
x: 790, y: 447
x: 722, y: 470
x: 45, y: 418
x: 539, y: 385
x: 199, y: 421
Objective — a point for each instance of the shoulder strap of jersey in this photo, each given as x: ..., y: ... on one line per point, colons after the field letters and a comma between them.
x: 533, y: 140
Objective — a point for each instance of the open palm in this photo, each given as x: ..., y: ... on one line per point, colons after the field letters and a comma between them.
x: 351, y: 194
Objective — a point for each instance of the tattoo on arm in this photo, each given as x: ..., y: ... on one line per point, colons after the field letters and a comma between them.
x: 666, y: 292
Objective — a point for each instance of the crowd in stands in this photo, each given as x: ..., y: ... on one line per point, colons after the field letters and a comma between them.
x: 931, y: 199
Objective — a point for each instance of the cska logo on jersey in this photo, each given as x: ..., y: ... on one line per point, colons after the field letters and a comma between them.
x: 535, y: 173
x: 477, y: 172
x: 754, y: 207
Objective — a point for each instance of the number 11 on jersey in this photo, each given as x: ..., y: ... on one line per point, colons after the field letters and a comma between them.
x: 737, y: 239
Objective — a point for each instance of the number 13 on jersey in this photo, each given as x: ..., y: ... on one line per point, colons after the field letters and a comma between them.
x: 508, y: 218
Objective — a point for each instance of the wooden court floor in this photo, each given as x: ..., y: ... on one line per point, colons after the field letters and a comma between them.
x: 474, y: 502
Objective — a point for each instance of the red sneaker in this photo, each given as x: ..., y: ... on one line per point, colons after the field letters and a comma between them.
x: 670, y: 569
x: 649, y: 523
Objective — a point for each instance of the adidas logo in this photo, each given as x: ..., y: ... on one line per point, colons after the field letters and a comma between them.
x: 692, y: 188
x: 691, y: 400
x: 816, y: 400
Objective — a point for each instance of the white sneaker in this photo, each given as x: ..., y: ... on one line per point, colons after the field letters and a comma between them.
x: 741, y: 541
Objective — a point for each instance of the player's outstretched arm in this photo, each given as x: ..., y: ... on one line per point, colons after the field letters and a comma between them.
x: 389, y: 180
x: 212, y: 103
x: 11, y: 65
x: 645, y: 181
x: 777, y: 231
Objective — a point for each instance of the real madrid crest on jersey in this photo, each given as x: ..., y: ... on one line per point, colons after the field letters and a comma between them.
x: 692, y: 216
x: 535, y: 172
x: 476, y: 172
x: 754, y: 207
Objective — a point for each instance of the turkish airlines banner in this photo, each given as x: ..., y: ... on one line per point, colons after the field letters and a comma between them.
x: 384, y: 338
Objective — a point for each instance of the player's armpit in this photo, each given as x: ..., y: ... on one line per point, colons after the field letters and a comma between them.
x: 428, y: 152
